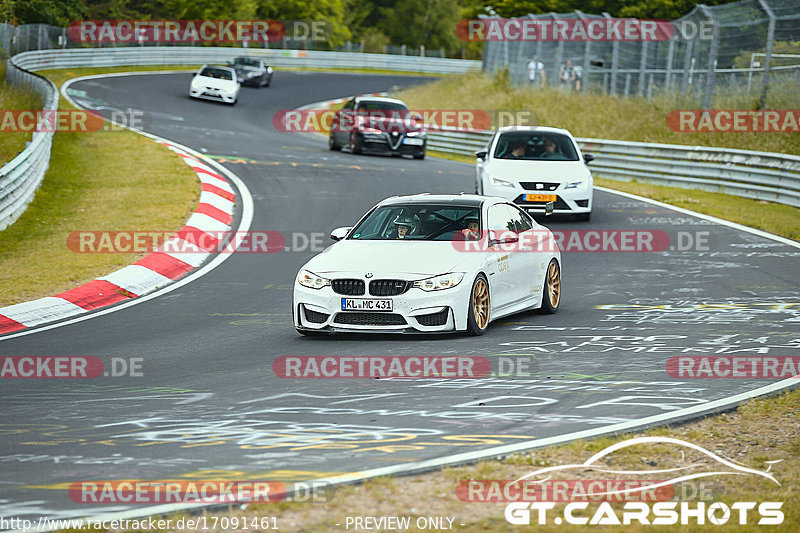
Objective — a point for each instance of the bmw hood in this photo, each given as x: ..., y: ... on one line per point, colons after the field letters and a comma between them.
x: 527, y: 170
x: 402, y: 259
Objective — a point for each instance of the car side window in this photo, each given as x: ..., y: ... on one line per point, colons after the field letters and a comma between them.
x: 522, y: 220
x: 498, y: 217
x: 502, y: 218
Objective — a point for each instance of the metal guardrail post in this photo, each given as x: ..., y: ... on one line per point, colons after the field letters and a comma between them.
x: 587, y: 49
x: 614, y: 61
x: 708, y: 89
x: 670, y: 54
x: 687, y: 65
x: 642, y: 67
x: 762, y: 101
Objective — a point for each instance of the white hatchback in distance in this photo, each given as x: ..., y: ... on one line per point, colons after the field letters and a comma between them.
x: 532, y: 166
x: 215, y: 83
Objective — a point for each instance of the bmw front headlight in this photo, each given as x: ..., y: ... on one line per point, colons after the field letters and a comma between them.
x: 438, y: 283
x: 311, y: 280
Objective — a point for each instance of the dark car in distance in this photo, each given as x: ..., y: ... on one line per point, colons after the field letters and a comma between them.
x: 251, y: 71
x: 378, y: 124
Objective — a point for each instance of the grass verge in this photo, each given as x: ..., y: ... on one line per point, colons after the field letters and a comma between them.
x: 107, y: 180
x: 593, y: 115
x: 14, y: 98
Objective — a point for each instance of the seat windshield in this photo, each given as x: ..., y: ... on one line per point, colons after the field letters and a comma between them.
x: 533, y: 146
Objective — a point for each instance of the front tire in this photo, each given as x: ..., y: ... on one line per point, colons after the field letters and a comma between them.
x: 355, y: 144
x: 419, y: 156
x: 479, y: 307
x: 584, y: 217
x: 551, y: 296
x: 332, y: 144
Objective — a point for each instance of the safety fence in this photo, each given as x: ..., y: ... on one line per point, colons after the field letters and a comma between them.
x: 734, y: 49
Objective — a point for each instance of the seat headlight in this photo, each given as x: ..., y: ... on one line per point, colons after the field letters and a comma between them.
x: 311, y: 280
x: 497, y: 182
x: 438, y: 283
x: 576, y: 184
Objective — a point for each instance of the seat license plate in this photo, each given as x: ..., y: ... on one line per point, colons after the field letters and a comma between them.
x: 540, y: 197
x: 366, y: 304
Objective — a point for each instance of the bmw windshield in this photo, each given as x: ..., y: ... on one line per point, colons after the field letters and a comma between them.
x: 417, y: 222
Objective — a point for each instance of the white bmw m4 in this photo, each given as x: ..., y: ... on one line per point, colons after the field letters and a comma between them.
x: 429, y: 264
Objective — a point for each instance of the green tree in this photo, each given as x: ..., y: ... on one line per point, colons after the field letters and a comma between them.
x: 332, y: 12
x: 422, y: 22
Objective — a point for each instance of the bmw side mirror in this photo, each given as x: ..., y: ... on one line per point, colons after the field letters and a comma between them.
x: 588, y: 158
x: 548, y: 208
x: 481, y: 155
x: 340, y: 233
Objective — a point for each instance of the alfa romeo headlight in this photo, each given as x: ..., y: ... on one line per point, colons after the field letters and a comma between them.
x: 438, y: 283
x: 311, y: 280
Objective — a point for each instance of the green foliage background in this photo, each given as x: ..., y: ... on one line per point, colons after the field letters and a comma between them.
x: 377, y: 22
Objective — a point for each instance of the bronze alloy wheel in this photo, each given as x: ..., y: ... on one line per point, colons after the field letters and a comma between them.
x: 554, y: 284
x: 480, y: 303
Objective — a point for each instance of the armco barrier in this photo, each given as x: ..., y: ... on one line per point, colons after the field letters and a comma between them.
x: 20, y: 178
x: 188, y: 55
x: 761, y: 175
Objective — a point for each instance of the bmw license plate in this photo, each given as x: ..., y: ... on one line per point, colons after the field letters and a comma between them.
x: 366, y: 304
x: 415, y: 142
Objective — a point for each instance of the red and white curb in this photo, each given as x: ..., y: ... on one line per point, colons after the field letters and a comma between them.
x: 213, y: 216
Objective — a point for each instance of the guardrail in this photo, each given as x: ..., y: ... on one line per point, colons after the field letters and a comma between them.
x: 187, y: 55
x: 20, y: 178
x: 761, y: 175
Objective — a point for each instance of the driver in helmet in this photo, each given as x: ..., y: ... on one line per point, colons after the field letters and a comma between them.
x: 404, y: 225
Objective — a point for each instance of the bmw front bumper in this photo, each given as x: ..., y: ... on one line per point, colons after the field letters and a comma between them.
x: 415, y: 311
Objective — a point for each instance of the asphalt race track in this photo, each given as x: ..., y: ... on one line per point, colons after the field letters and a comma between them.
x: 208, y: 404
